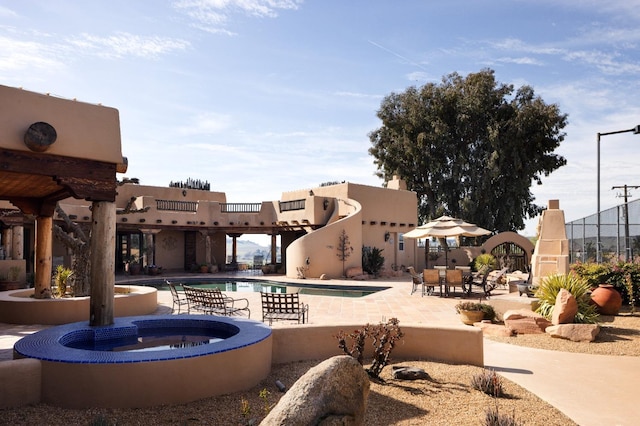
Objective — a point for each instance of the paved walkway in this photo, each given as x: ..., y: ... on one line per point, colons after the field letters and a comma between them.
x: 590, y: 389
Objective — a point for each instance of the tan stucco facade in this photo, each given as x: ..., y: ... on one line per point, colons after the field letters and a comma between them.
x: 84, y: 130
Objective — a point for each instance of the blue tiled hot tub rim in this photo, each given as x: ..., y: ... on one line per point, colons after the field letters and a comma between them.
x: 49, y: 344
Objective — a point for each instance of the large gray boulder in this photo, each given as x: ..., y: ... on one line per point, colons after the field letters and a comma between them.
x: 333, y: 392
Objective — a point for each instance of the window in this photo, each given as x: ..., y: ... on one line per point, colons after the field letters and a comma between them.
x: 401, y: 242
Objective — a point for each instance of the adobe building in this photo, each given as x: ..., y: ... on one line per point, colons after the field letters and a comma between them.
x: 52, y: 149
x: 322, y: 230
x: 179, y: 229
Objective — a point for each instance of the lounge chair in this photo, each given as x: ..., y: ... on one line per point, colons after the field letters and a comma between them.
x: 489, y: 281
x: 416, y: 279
x: 283, y: 306
x: 213, y: 302
x: 178, y: 300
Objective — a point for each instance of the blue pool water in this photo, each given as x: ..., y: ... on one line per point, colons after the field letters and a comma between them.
x: 256, y: 286
x: 153, y: 339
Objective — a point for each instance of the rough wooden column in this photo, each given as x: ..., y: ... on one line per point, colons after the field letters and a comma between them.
x: 44, y: 238
x: 17, y: 242
x: 6, y: 242
x: 103, y: 253
x: 149, y: 248
x: 273, y: 249
x: 207, y: 247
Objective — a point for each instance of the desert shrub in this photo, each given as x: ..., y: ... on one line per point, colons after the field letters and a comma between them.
x: 550, y: 286
x: 623, y: 276
x: 372, y: 260
x: 61, y: 278
x: 485, y: 263
x: 488, y: 382
x: 493, y: 417
x: 384, y: 337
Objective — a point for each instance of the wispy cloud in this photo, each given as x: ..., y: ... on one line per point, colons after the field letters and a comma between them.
x: 124, y: 44
x: 18, y: 54
x: 207, y: 123
x: 6, y: 12
x: 214, y: 15
x: 524, y: 60
x: 608, y: 59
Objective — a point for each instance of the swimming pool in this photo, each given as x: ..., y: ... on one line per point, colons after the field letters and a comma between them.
x: 266, y: 286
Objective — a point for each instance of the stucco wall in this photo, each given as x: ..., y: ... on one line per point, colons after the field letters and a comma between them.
x: 321, y: 247
x: 76, y: 124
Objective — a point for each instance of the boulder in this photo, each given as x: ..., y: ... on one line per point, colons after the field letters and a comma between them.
x: 565, y: 309
x: 575, y: 332
x: 354, y: 271
x: 523, y: 321
x: 489, y: 329
x: 333, y: 392
x: 409, y: 373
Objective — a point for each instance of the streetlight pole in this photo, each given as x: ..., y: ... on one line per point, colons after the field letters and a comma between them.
x: 635, y: 130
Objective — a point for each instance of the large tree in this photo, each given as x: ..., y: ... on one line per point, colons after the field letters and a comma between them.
x: 470, y: 148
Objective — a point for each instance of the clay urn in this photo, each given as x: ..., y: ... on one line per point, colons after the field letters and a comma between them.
x: 607, y: 299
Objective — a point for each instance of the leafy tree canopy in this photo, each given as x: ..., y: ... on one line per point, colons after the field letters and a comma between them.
x: 470, y: 148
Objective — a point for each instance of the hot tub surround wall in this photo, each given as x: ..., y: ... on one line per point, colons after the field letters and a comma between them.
x: 18, y: 307
x: 74, y: 378
x: 177, y: 381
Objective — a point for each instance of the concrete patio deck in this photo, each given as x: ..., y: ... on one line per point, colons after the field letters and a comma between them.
x: 571, y: 382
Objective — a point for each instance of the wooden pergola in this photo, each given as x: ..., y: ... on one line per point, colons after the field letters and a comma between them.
x: 48, y: 152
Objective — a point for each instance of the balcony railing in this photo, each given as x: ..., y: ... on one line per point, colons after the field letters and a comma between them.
x: 240, y: 207
x: 286, y: 206
x: 177, y: 206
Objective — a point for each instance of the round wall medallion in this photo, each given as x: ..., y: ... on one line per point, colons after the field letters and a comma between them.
x: 40, y: 136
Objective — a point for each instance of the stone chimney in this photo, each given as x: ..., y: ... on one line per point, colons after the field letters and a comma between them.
x: 551, y: 254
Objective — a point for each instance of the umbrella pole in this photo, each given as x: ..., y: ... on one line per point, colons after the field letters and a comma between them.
x: 426, y: 254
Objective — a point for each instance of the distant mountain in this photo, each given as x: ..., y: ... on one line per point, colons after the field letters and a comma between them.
x: 246, y: 250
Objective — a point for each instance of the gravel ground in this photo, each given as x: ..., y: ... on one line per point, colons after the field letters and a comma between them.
x: 619, y: 335
x: 447, y: 398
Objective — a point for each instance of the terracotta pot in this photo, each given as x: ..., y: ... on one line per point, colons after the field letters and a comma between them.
x: 471, y: 317
x: 607, y: 299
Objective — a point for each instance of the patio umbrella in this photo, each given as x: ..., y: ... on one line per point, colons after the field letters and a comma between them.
x: 446, y: 226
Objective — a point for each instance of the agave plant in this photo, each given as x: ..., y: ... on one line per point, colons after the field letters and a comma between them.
x: 551, y: 285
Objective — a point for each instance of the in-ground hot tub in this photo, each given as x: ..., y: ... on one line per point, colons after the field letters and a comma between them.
x: 239, y: 359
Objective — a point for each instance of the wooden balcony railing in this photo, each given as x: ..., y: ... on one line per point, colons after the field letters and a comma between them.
x: 240, y: 207
x: 177, y: 206
x: 286, y: 206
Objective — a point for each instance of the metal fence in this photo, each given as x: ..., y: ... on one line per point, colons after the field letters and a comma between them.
x: 619, y: 234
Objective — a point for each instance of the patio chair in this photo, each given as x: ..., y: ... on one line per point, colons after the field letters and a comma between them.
x: 416, y: 279
x: 453, y: 278
x: 213, y: 302
x: 283, y: 306
x: 178, y: 300
x: 431, y: 278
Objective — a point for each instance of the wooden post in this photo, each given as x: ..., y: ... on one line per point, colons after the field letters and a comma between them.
x: 103, y: 253
x: 17, y: 242
x: 44, y: 237
x: 207, y: 248
x: 273, y: 249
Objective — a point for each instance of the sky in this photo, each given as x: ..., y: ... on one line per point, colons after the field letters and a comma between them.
x: 260, y: 97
